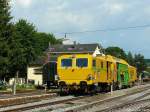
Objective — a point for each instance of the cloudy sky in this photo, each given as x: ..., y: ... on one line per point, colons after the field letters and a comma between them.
x: 60, y: 16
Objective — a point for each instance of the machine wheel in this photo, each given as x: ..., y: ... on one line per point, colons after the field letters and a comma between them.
x: 83, y: 88
x: 92, y: 89
x: 63, y: 91
x: 120, y: 85
x: 130, y: 85
x: 98, y: 89
x: 114, y: 86
x: 108, y: 89
x: 133, y: 83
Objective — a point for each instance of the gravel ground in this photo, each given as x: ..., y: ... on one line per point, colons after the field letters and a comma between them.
x: 126, y: 104
x: 71, y: 105
x: 141, y: 106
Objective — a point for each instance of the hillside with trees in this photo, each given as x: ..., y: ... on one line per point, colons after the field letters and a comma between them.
x: 147, y: 61
x: 136, y: 60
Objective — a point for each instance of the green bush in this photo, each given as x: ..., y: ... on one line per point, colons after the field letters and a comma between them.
x: 3, y: 86
x: 24, y: 86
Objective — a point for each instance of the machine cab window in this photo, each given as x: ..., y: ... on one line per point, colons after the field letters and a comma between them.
x: 66, y: 62
x: 82, y: 62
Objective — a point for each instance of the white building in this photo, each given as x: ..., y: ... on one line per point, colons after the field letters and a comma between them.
x: 34, y: 75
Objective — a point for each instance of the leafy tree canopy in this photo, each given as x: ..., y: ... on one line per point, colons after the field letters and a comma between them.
x: 116, y: 51
x: 28, y: 45
x: 6, y: 31
x: 139, y: 62
x: 130, y: 58
x: 43, y: 40
x: 22, y: 47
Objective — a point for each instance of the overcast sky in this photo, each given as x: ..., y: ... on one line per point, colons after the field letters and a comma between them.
x: 80, y: 15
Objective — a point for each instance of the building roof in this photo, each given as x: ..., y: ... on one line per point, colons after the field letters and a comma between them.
x: 74, y: 48
x: 65, y: 49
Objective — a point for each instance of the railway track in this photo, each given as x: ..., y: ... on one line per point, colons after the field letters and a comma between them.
x: 109, y: 104
x: 135, y: 106
x: 29, y: 106
x: 116, y: 104
x: 144, y: 108
x: 130, y: 105
x: 81, y: 103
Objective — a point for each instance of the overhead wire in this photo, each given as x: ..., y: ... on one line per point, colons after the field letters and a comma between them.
x: 105, y: 30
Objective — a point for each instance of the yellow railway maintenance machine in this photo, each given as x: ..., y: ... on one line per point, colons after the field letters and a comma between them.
x: 85, y: 73
x: 133, y: 75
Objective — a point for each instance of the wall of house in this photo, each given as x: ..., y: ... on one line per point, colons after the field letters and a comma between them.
x: 33, y: 76
x: 68, y: 41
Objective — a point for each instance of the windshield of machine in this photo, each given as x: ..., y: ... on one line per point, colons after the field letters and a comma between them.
x: 82, y: 62
x: 66, y: 62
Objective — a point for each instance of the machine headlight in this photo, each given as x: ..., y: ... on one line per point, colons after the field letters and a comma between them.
x: 57, y: 77
x: 90, y: 77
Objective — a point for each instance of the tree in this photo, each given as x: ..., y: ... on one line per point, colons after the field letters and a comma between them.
x: 53, y: 40
x: 22, y: 47
x: 27, y: 46
x: 26, y: 34
x: 116, y: 51
x: 43, y: 40
x: 6, y: 30
x: 130, y: 59
x: 17, y: 58
x: 140, y: 62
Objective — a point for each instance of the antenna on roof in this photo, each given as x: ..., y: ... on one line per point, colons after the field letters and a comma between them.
x: 65, y: 35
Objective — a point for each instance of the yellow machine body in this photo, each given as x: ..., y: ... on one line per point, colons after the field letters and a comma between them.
x: 100, y: 69
x: 133, y: 74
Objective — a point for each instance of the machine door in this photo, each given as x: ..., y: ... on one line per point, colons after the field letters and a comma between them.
x: 49, y: 72
x: 109, y: 74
